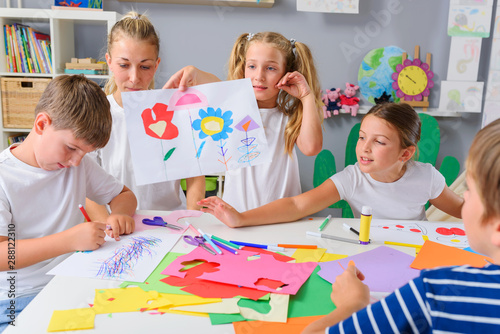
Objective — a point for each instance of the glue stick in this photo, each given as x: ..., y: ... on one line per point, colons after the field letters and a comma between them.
x: 364, y: 228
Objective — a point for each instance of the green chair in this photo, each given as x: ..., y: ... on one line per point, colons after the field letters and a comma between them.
x: 210, y: 185
x: 428, y: 149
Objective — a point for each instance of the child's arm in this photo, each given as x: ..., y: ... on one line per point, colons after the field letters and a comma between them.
x: 84, y: 236
x: 349, y: 295
x: 280, y: 211
x: 122, y: 207
x: 310, y: 139
x: 195, y: 192
x: 96, y: 211
x: 189, y: 76
x: 449, y: 202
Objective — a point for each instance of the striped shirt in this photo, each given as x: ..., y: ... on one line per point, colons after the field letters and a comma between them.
x: 446, y: 300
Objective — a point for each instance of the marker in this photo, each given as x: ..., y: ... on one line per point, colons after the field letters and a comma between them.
x: 220, y: 244
x: 192, y: 228
x: 325, y: 222
x: 401, y: 244
x: 207, y: 238
x: 269, y: 247
x: 228, y: 243
x: 296, y: 246
x: 352, y: 229
x: 327, y: 236
x: 82, y: 209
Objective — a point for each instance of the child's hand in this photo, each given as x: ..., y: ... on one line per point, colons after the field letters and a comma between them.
x: 348, y: 292
x: 294, y: 84
x: 120, y: 224
x: 87, y: 236
x: 221, y: 210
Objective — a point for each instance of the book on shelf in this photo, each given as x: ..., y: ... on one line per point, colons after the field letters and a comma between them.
x: 16, y: 139
x: 27, y: 50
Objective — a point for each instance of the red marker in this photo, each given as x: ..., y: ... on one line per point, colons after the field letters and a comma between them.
x: 82, y: 209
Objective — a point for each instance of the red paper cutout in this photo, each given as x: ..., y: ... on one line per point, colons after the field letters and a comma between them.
x: 158, y: 122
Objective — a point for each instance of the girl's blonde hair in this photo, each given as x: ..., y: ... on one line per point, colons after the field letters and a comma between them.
x: 483, y: 167
x: 132, y: 25
x: 298, y: 57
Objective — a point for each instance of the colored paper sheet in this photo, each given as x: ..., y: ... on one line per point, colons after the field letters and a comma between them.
x: 331, y: 257
x: 309, y: 255
x: 313, y: 298
x: 70, y: 320
x: 434, y: 255
x: 246, y: 270
x: 206, y: 129
x: 385, y: 268
x: 193, y: 284
x: 133, y: 258
x: 277, y: 256
x: 171, y: 218
x: 127, y: 300
x: 292, y: 326
x: 184, y: 300
x: 278, y: 309
x: 226, y: 306
x: 220, y: 319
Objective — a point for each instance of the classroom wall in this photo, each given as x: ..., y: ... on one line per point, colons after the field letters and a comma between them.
x: 203, y: 36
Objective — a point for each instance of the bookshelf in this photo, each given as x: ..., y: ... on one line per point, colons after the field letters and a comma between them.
x: 60, y: 25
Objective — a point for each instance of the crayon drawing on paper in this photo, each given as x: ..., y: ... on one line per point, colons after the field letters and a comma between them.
x: 469, y: 21
x: 206, y: 129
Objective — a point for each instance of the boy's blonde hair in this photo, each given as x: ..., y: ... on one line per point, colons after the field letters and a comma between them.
x: 298, y: 57
x: 132, y: 25
x: 76, y: 103
x: 484, y: 168
x: 403, y: 118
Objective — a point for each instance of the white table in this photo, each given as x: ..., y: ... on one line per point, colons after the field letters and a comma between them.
x: 63, y: 293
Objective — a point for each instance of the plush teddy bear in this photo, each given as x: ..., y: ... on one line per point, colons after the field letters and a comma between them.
x: 331, y: 100
x: 348, y: 102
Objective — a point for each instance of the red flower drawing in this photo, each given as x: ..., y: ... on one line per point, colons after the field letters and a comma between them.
x: 158, y: 122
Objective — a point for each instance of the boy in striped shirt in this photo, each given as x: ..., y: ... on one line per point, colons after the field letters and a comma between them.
x: 460, y: 299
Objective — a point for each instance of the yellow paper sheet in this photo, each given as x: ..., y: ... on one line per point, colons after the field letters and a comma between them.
x: 69, y: 320
x: 226, y: 306
x: 183, y: 300
x: 308, y: 255
x: 127, y: 300
x: 331, y: 257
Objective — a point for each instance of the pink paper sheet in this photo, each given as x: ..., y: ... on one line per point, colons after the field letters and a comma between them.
x: 238, y: 270
x: 171, y: 218
x: 385, y: 268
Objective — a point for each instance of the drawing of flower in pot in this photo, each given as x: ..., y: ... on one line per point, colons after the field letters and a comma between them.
x: 158, y: 124
x: 217, y: 125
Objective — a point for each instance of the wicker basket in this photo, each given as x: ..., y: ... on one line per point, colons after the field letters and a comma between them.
x: 19, y: 99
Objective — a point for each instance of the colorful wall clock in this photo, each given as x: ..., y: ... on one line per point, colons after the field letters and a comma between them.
x: 413, y: 80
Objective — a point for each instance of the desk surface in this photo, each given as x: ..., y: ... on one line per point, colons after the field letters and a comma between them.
x: 64, y: 293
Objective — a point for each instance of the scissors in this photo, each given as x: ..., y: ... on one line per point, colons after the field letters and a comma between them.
x: 198, y: 241
x: 158, y: 221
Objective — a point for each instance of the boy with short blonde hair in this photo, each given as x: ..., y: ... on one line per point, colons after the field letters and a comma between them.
x: 450, y: 299
x: 42, y: 182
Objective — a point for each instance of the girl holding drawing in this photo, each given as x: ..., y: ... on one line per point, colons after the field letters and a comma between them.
x: 287, y: 90
x: 133, y: 57
x: 384, y: 178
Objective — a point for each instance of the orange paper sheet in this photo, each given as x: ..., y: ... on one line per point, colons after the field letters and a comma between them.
x: 434, y: 255
x: 292, y: 326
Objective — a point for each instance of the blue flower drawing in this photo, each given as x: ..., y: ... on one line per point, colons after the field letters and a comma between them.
x: 214, y: 123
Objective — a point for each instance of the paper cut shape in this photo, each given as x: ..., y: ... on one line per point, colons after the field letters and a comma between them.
x: 249, y: 148
x: 385, y: 268
x: 237, y: 270
x: 226, y: 306
x: 433, y: 254
x: 206, y: 142
x: 70, y: 320
x: 278, y: 310
x: 309, y: 255
x: 292, y: 326
x: 132, y: 258
x: 331, y: 257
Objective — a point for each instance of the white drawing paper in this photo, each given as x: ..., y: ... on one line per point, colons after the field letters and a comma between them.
x: 461, y: 96
x: 207, y: 129
x: 133, y: 258
x: 411, y: 232
x: 493, y: 87
x: 491, y: 112
x: 465, y: 53
x: 469, y: 21
x: 329, y: 6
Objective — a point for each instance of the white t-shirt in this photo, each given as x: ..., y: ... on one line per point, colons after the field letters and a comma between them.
x: 250, y: 187
x: 402, y: 199
x: 35, y: 203
x: 116, y: 159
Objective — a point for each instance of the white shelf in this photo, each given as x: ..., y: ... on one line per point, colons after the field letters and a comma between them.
x: 430, y: 111
x: 232, y: 3
x: 60, y: 24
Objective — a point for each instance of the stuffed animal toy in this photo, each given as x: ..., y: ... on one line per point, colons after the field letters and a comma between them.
x: 348, y: 102
x: 331, y: 100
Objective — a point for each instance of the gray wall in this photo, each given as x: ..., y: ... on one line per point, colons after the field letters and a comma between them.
x: 203, y: 36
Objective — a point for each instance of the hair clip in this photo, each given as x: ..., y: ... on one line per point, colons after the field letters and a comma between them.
x: 292, y: 42
x: 135, y: 17
x: 250, y: 36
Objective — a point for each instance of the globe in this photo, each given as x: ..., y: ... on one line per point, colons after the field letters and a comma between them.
x: 374, y: 76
